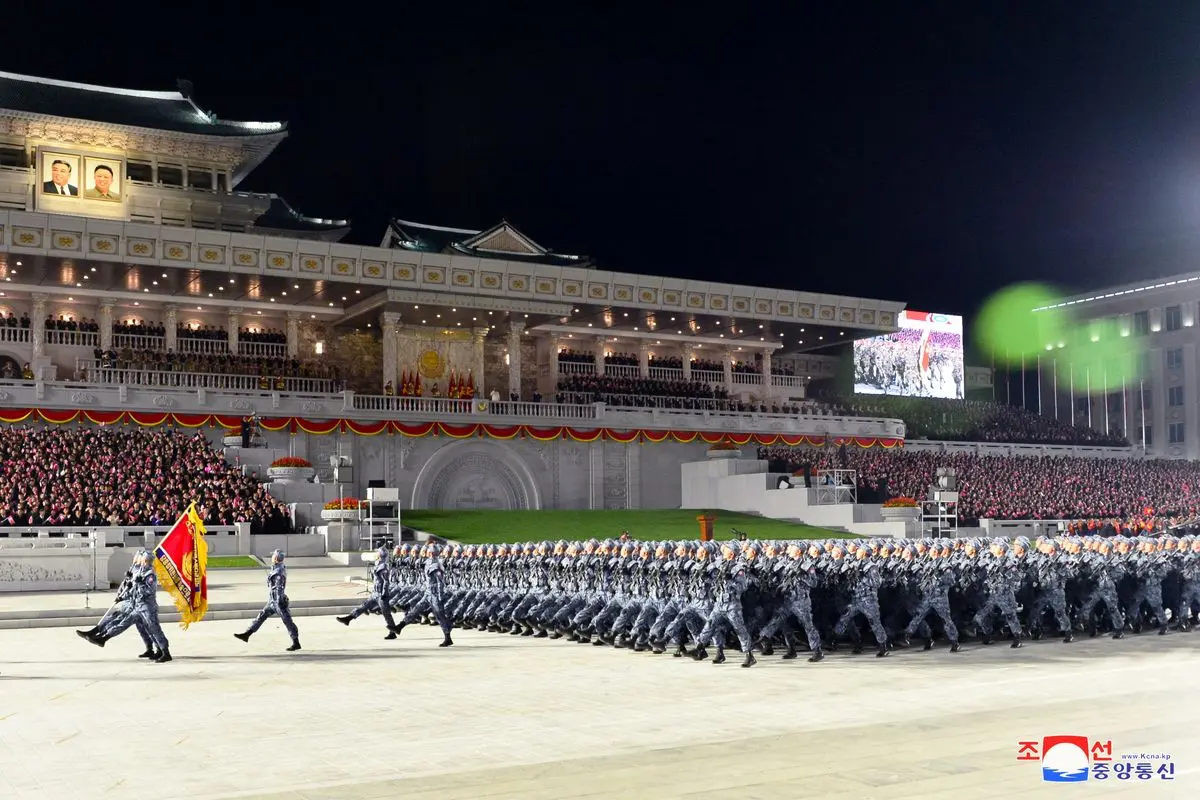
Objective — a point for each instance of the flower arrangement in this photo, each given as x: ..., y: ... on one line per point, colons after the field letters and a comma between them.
x: 291, y: 461
x: 900, y: 502
x: 345, y: 504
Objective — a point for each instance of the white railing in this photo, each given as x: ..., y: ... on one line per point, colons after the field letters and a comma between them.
x: 138, y: 341
x: 189, y: 344
x: 708, y: 375
x: 747, y: 378
x: 440, y: 405
x: 648, y: 401
x: 14, y: 335
x: 94, y: 372
x: 73, y: 338
x: 576, y: 368
x: 666, y: 373
x: 264, y: 349
x: 623, y: 370
x: 787, y: 381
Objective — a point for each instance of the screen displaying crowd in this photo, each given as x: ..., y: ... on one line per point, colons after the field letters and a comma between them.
x: 1014, y: 487
x: 923, y: 359
x: 123, y: 477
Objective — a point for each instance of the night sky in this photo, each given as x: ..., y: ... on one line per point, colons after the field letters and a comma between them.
x: 923, y: 152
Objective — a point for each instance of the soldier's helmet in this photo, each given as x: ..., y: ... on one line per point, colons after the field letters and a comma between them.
x: 751, y: 551
x: 435, y: 551
x: 794, y: 550
x: 382, y: 552
x: 398, y: 551
x: 909, y: 553
x: 627, y: 549
x: 662, y: 550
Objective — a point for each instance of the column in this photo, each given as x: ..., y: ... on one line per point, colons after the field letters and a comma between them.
x: 766, y: 373
x: 38, y: 324
x: 688, y: 355
x: 171, y: 324
x: 644, y: 358
x: 727, y: 366
x: 514, y: 357
x: 231, y: 328
x: 293, y: 334
x: 598, y: 354
x: 106, y: 323
x: 555, y: 344
x: 478, y: 338
x: 389, y: 323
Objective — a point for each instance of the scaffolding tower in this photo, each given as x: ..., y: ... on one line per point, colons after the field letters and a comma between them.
x: 939, y: 511
x: 836, y: 486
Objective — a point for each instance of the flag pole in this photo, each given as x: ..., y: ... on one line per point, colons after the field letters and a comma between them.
x: 1142, y: 403
x: 1089, y: 393
x: 1023, y: 406
x: 1039, y: 383
x: 1071, y: 368
x: 1055, y: 367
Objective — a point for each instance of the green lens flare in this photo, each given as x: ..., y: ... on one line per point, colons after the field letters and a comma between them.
x: 1009, y: 329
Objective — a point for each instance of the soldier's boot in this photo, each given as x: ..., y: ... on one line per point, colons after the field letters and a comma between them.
x: 905, y: 640
x: 658, y: 648
x: 541, y: 634
x: 558, y: 634
x: 791, y: 648
x: 720, y: 659
x: 701, y: 653
x: 163, y: 657
x: 1070, y: 637
x: 446, y: 642
x: 928, y: 644
x: 515, y: 630
x: 345, y: 620
x: 1120, y: 634
x: 985, y: 638
x: 88, y: 633
x: 1137, y: 624
x: 882, y: 651
x: 150, y: 653
x: 391, y: 634
x: 816, y: 656
x: 1035, y: 634
x: 295, y: 646
x: 680, y: 651
x: 639, y: 645
x: 91, y: 636
x: 529, y: 630
x: 750, y: 660
x: 245, y: 637
x: 1162, y: 629
x: 766, y: 646
x: 954, y: 646
x: 1016, y: 642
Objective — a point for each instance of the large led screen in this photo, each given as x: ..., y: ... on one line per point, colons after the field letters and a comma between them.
x: 922, y: 359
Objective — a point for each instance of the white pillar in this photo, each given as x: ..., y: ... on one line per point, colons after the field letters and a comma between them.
x: 766, y: 374
x: 555, y: 344
x: 644, y: 358
x: 38, y: 325
x: 727, y: 366
x: 478, y: 337
x: 688, y: 355
x: 171, y: 325
x: 598, y: 354
x: 293, y: 334
x: 514, y: 357
x: 389, y: 321
x: 106, y: 323
x: 231, y: 329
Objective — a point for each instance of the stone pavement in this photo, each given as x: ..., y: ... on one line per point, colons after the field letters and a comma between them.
x: 353, y: 716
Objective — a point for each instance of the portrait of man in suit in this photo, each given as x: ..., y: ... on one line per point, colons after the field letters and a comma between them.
x: 61, y: 171
x: 101, y: 182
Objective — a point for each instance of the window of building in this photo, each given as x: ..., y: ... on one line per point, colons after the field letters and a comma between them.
x: 13, y: 156
x: 1175, y: 396
x: 1175, y: 433
x: 199, y: 179
x: 170, y: 174
x: 1147, y: 437
x: 1141, y: 323
x: 1175, y: 358
x: 139, y: 171
x: 1147, y: 398
x: 222, y: 182
x: 1173, y: 318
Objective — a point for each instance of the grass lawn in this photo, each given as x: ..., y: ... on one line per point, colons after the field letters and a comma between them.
x: 473, y: 527
x: 232, y: 562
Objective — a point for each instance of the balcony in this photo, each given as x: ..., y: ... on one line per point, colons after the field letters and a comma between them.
x: 212, y: 347
x: 236, y: 400
x: 94, y: 372
x: 14, y: 335
x: 262, y: 349
x: 120, y: 341
x: 74, y: 338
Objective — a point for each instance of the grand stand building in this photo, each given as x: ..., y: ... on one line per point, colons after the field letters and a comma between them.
x: 123, y: 229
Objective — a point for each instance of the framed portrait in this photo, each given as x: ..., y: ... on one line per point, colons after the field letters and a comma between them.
x: 102, y: 179
x: 61, y: 174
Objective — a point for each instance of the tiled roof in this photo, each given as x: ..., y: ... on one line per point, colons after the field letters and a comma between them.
x: 165, y: 111
x: 423, y: 238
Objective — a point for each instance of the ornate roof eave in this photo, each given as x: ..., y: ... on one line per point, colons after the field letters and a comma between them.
x: 242, y: 154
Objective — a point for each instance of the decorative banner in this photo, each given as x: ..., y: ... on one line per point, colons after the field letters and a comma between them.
x: 323, y: 427
x: 181, y: 563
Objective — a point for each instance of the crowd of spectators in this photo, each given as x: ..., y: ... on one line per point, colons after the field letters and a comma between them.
x: 210, y: 333
x: 1016, y: 487
x: 569, y: 356
x: 127, y: 361
x: 637, y: 392
x: 262, y: 336
x: 12, y: 321
x: 976, y: 421
x: 622, y: 359
x: 125, y: 477
x: 138, y: 328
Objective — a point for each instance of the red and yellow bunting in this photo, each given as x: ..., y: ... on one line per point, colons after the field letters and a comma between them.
x: 451, y: 430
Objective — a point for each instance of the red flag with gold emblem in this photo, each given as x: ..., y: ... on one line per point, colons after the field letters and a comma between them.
x: 181, y: 564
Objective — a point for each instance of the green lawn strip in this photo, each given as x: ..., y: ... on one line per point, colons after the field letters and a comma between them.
x: 484, y: 527
x: 232, y: 562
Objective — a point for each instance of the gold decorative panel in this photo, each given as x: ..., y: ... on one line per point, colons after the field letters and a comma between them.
x: 491, y: 280
x: 140, y: 248
x: 597, y: 291
x: 741, y: 305
x: 546, y: 286
x: 647, y: 295
x: 404, y: 272
x: 518, y: 283
x: 244, y: 257
x: 279, y: 260
x: 177, y: 251
x: 433, y: 275
x: 212, y: 254
x: 98, y: 244
x: 572, y: 288
x: 463, y: 278
x: 372, y: 269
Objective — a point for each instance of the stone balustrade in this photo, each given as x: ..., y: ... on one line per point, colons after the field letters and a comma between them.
x: 94, y: 372
x: 348, y: 405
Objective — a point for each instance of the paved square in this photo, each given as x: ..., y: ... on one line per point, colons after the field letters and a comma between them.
x: 353, y: 716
